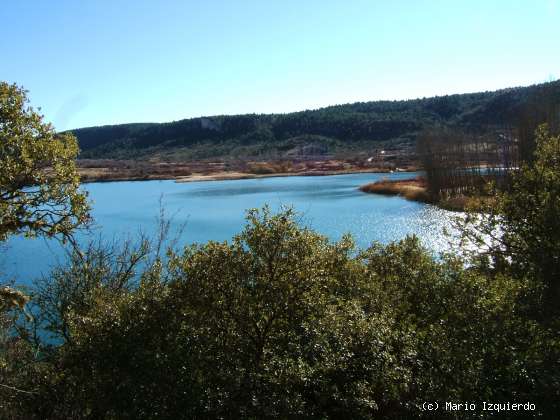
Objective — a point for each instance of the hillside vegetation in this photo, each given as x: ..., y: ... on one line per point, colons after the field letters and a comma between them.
x: 341, y: 130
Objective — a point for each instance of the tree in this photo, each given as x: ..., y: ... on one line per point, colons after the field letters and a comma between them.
x: 39, y: 195
x: 269, y: 325
x: 279, y: 323
x: 39, y: 184
x: 520, y: 230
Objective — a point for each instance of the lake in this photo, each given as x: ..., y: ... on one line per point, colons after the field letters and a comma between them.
x: 215, y: 210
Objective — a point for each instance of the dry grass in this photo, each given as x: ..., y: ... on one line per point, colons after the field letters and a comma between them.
x: 264, y: 168
x: 412, y: 189
x: 416, y: 190
x: 115, y: 170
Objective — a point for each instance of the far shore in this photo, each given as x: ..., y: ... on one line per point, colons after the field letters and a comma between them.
x: 230, y: 176
x: 112, y: 171
x: 224, y: 176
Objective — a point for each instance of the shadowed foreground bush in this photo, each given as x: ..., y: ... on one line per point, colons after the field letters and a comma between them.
x: 277, y: 323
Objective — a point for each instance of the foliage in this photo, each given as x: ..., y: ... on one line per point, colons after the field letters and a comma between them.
x: 39, y: 195
x: 280, y: 322
x: 39, y: 184
x: 520, y: 229
x: 460, y: 161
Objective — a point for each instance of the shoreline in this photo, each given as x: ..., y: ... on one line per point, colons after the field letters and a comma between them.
x: 230, y: 176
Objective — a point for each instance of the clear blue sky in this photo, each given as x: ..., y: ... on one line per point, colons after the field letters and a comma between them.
x: 96, y: 62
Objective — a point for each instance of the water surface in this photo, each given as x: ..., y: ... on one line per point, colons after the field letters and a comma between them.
x: 215, y: 210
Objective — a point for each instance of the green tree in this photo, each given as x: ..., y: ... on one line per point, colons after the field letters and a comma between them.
x: 269, y: 325
x: 520, y: 231
x: 39, y: 195
x: 39, y: 183
x: 282, y: 323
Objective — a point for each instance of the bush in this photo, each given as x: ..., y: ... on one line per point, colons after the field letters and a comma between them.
x: 280, y: 322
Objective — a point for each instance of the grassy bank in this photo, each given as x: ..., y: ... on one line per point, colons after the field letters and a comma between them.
x: 412, y: 189
x: 416, y: 189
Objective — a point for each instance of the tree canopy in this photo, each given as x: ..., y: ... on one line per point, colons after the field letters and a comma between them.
x: 39, y: 184
x: 519, y: 230
x: 279, y: 323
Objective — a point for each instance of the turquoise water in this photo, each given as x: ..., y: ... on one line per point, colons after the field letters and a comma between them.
x: 332, y: 205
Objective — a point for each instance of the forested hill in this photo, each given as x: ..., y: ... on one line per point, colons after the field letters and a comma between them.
x: 335, y: 129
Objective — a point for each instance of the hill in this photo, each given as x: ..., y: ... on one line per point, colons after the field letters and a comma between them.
x: 343, y: 130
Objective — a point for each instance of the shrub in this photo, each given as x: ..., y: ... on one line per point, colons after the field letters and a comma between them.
x: 280, y: 322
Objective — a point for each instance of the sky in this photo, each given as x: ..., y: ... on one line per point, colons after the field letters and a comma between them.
x: 97, y: 62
